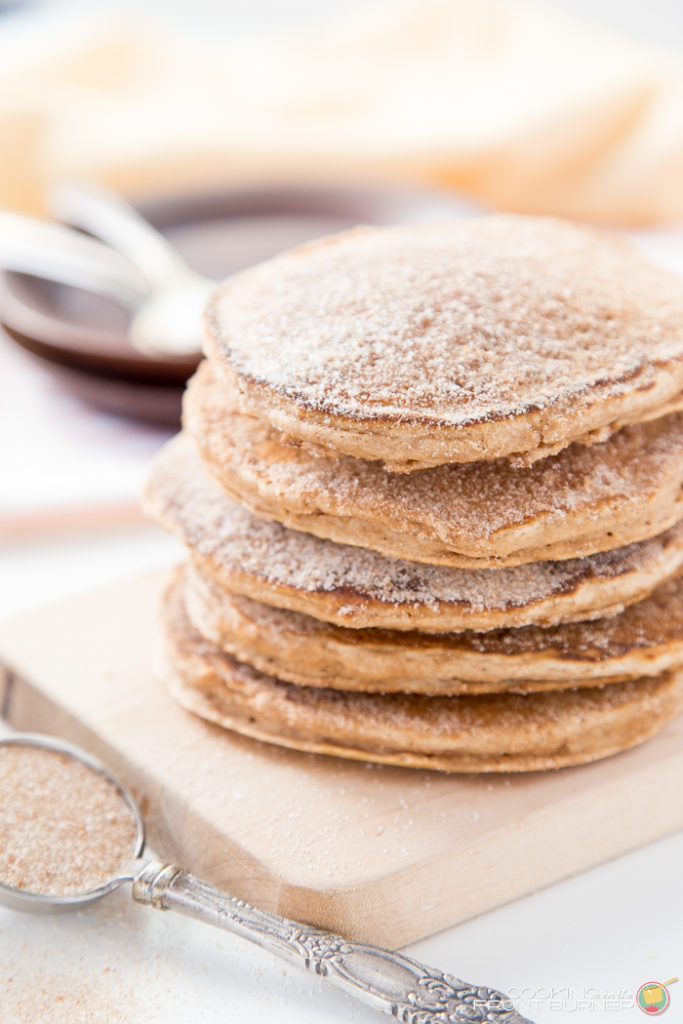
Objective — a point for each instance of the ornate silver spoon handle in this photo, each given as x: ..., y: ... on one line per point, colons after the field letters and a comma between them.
x: 390, y: 982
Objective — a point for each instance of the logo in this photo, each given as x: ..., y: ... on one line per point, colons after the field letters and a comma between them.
x: 653, y: 997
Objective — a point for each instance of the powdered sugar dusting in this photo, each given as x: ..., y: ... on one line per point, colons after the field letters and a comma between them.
x: 451, y: 324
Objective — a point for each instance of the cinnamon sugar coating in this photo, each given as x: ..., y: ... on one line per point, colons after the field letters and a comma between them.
x: 360, y: 588
x: 426, y: 344
x: 484, y: 514
x: 643, y: 640
x: 491, y: 732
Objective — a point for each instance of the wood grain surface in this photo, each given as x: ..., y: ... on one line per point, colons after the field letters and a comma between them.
x: 384, y: 854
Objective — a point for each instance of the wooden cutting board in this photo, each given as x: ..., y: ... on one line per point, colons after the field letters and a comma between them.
x: 383, y: 854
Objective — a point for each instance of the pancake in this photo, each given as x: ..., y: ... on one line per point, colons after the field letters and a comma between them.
x: 645, y: 639
x: 429, y: 344
x: 490, y: 733
x: 485, y: 514
x: 356, y: 587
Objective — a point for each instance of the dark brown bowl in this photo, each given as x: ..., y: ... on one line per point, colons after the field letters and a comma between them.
x: 218, y: 234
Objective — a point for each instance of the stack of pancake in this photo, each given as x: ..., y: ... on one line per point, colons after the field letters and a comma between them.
x: 431, y: 484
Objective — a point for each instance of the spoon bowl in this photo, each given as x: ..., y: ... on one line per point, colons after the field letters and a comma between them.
x: 170, y: 320
x: 24, y: 899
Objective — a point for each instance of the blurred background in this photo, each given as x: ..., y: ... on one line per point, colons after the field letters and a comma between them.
x: 240, y: 128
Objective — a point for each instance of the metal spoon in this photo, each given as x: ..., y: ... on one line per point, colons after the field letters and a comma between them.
x: 388, y: 981
x: 170, y: 318
x: 56, y: 253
